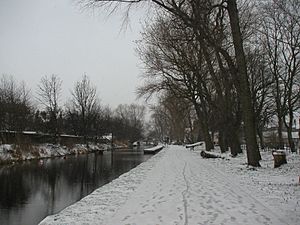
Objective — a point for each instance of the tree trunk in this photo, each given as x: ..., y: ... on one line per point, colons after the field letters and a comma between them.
x: 222, y: 142
x: 204, y: 127
x: 233, y: 139
x: 279, y: 130
x: 213, y: 137
x: 253, y: 155
x: 261, y: 138
x: 207, y: 138
x: 289, y: 132
x: 236, y: 142
x: 290, y: 140
x: 84, y: 127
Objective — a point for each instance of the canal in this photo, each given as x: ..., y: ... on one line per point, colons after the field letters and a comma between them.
x: 31, y: 190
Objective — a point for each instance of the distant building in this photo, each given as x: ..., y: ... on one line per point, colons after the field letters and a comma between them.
x: 270, y: 134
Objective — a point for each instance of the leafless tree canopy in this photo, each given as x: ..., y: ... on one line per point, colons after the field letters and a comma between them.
x: 81, y: 115
x: 206, y: 20
x: 48, y: 94
x: 218, y: 66
x: 84, y: 96
x: 16, y: 107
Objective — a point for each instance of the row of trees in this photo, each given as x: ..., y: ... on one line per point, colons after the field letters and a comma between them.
x: 236, y: 63
x: 174, y: 119
x: 81, y: 115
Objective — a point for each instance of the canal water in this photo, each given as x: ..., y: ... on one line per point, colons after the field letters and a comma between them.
x: 31, y: 190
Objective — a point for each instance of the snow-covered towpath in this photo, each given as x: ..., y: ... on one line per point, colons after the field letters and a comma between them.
x: 176, y: 186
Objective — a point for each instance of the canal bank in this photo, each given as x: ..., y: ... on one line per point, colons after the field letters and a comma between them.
x: 177, y: 186
x: 10, y: 153
x: 31, y: 190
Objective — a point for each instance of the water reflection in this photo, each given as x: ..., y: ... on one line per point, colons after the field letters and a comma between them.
x: 30, y: 191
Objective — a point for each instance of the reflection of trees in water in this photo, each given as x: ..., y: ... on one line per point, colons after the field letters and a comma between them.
x: 61, y: 182
x: 124, y: 161
x: 14, y: 190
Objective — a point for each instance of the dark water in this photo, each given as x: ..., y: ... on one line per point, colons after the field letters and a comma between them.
x: 32, y: 190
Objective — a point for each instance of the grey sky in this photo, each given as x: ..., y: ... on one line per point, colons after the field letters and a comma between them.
x: 44, y: 37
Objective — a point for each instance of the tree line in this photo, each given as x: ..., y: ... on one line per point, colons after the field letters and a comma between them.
x: 81, y: 115
x: 235, y: 62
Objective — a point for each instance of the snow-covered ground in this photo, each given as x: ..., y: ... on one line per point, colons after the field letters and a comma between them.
x: 279, y: 187
x: 177, y: 186
x: 10, y: 152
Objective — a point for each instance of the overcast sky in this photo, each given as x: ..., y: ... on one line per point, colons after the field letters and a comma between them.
x: 44, y: 37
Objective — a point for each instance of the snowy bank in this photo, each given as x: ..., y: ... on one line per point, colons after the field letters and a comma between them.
x: 10, y: 153
x: 278, y: 187
x: 153, y: 150
x: 105, y: 201
x: 177, y: 186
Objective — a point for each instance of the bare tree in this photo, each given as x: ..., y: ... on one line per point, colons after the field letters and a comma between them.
x: 290, y: 29
x: 174, y: 63
x: 175, y: 113
x: 178, y: 62
x: 48, y: 94
x: 261, y: 88
x: 131, y: 119
x: 192, y: 13
x: 161, y: 122
x: 281, y: 38
x: 85, y: 103
x: 16, y: 108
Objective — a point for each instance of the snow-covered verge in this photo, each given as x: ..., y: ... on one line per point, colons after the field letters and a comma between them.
x: 11, y: 153
x: 106, y: 200
x: 278, y: 187
x: 177, y: 186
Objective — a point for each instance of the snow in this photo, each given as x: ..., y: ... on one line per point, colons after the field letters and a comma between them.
x: 5, y: 151
x: 195, y: 144
x: 10, y: 152
x: 279, y: 188
x: 105, y: 201
x: 29, y: 132
x: 198, y: 146
x: 154, y: 149
x: 177, y: 186
x: 69, y: 135
x: 279, y: 153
